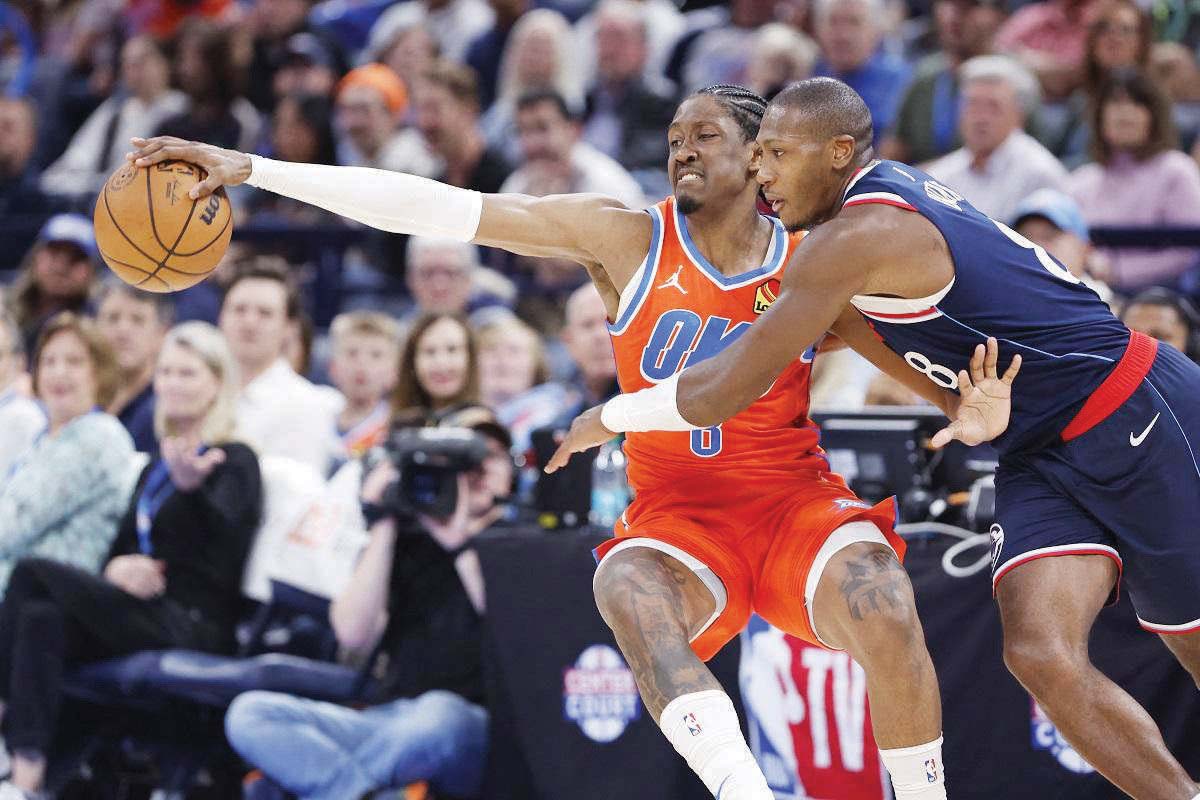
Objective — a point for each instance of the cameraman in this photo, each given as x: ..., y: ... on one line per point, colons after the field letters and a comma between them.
x: 416, y: 601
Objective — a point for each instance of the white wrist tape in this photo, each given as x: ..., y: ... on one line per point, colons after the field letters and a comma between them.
x: 390, y: 201
x: 653, y: 409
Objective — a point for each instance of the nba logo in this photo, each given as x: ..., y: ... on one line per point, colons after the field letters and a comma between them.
x: 931, y: 774
x: 693, y: 725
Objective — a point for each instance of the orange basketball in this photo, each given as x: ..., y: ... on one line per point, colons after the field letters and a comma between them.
x: 155, y: 237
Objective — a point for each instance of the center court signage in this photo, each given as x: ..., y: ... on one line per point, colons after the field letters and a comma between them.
x: 600, y: 694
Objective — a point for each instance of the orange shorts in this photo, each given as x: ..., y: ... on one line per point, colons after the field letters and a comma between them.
x: 760, y: 538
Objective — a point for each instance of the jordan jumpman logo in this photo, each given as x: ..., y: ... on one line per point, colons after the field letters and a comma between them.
x: 673, y: 281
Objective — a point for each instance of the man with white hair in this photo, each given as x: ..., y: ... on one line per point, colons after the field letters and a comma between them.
x: 849, y: 33
x: 440, y: 274
x: 999, y: 164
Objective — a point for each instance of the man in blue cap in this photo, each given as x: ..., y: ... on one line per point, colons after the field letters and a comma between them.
x: 57, y: 274
x: 1053, y: 220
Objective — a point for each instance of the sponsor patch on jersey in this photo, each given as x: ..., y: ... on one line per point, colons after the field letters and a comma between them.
x: 765, y: 295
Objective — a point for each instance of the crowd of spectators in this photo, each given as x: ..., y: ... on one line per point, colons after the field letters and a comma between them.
x: 130, y: 422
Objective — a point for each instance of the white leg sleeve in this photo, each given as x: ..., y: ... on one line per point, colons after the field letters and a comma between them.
x: 703, y: 728
x: 917, y: 772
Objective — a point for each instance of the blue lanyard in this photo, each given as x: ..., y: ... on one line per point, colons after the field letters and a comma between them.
x: 155, y: 493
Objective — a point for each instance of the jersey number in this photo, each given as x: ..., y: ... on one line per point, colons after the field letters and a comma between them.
x: 706, y: 442
x: 1052, y: 266
x: 942, y: 376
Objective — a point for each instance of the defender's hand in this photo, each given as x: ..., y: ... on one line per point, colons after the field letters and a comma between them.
x: 985, y: 400
x: 587, y: 431
x: 225, y: 167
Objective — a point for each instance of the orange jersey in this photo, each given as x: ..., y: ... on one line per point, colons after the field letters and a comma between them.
x: 678, y: 310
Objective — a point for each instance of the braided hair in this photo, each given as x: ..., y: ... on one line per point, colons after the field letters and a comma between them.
x: 746, y: 107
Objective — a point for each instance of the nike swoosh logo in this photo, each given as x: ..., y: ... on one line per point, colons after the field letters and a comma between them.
x: 1134, y: 441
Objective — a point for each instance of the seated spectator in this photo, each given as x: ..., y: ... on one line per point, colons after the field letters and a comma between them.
x: 538, y: 56
x: 484, y: 54
x: 410, y: 51
x: 850, y: 33
x: 282, y: 37
x: 134, y: 323
x: 174, y: 572
x: 999, y: 164
x: 586, y: 337
x: 628, y: 109
x: 453, y: 24
x: 307, y: 66
x: 447, y: 108
x: 1119, y: 37
x: 58, y: 274
x: 64, y: 497
x: 1138, y: 178
x: 1053, y: 220
x: 719, y: 49
x: 209, y: 69
x: 20, y: 192
x: 926, y: 123
x: 782, y: 56
x: 439, y: 370
x: 1167, y: 316
x: 440, y: 274
x: 278, y: 411
x: 417, y: 597
x: 371, y: 101
x: 1174, y: 67
x: 364, y: 367
x: 514, y: 378
x: 553, y: 155
x: 21, y: 419
x: 1050, y: 37
x: 139, y: 106
x: 301, y: 131
x: 662, y: 22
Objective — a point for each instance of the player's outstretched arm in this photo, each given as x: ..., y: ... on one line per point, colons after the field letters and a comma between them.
x: 591, y: 229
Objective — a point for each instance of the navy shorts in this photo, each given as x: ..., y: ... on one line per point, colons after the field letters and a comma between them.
x: 1128, y: 489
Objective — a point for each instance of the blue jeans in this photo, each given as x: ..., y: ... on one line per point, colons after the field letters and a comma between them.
x: 323, y: 751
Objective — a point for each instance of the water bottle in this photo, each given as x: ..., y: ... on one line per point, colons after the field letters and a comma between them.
x: 610, y: 490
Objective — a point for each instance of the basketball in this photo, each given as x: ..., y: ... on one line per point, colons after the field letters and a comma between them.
x: 152, y: 234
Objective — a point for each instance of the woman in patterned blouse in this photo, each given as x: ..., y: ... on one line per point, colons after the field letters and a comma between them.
x: 64, y: 497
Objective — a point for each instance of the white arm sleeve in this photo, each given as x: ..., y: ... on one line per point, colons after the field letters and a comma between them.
x: 653, y: 409
x: 390, y: 201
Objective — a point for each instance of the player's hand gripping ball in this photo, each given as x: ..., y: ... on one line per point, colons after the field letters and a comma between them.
x: 152, y: 234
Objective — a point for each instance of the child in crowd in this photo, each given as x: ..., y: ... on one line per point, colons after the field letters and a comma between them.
x: 364, y: 366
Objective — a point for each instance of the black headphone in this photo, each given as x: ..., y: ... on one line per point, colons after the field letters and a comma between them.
x: 1160, y: 296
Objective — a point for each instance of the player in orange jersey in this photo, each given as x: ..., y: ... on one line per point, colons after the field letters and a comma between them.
x: 741, y: 517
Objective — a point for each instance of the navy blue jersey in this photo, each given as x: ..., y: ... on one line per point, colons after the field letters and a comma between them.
x: 1004, y: 286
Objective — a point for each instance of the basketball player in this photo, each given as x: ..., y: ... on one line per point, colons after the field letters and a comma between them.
x: 737, y: 517
x: 1098, y: 473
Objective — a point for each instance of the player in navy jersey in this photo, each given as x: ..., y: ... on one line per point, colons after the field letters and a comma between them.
x: 1098, y: 482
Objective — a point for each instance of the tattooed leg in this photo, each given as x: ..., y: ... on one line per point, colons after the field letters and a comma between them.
x: 654, y: 604
x: 864, y: 604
